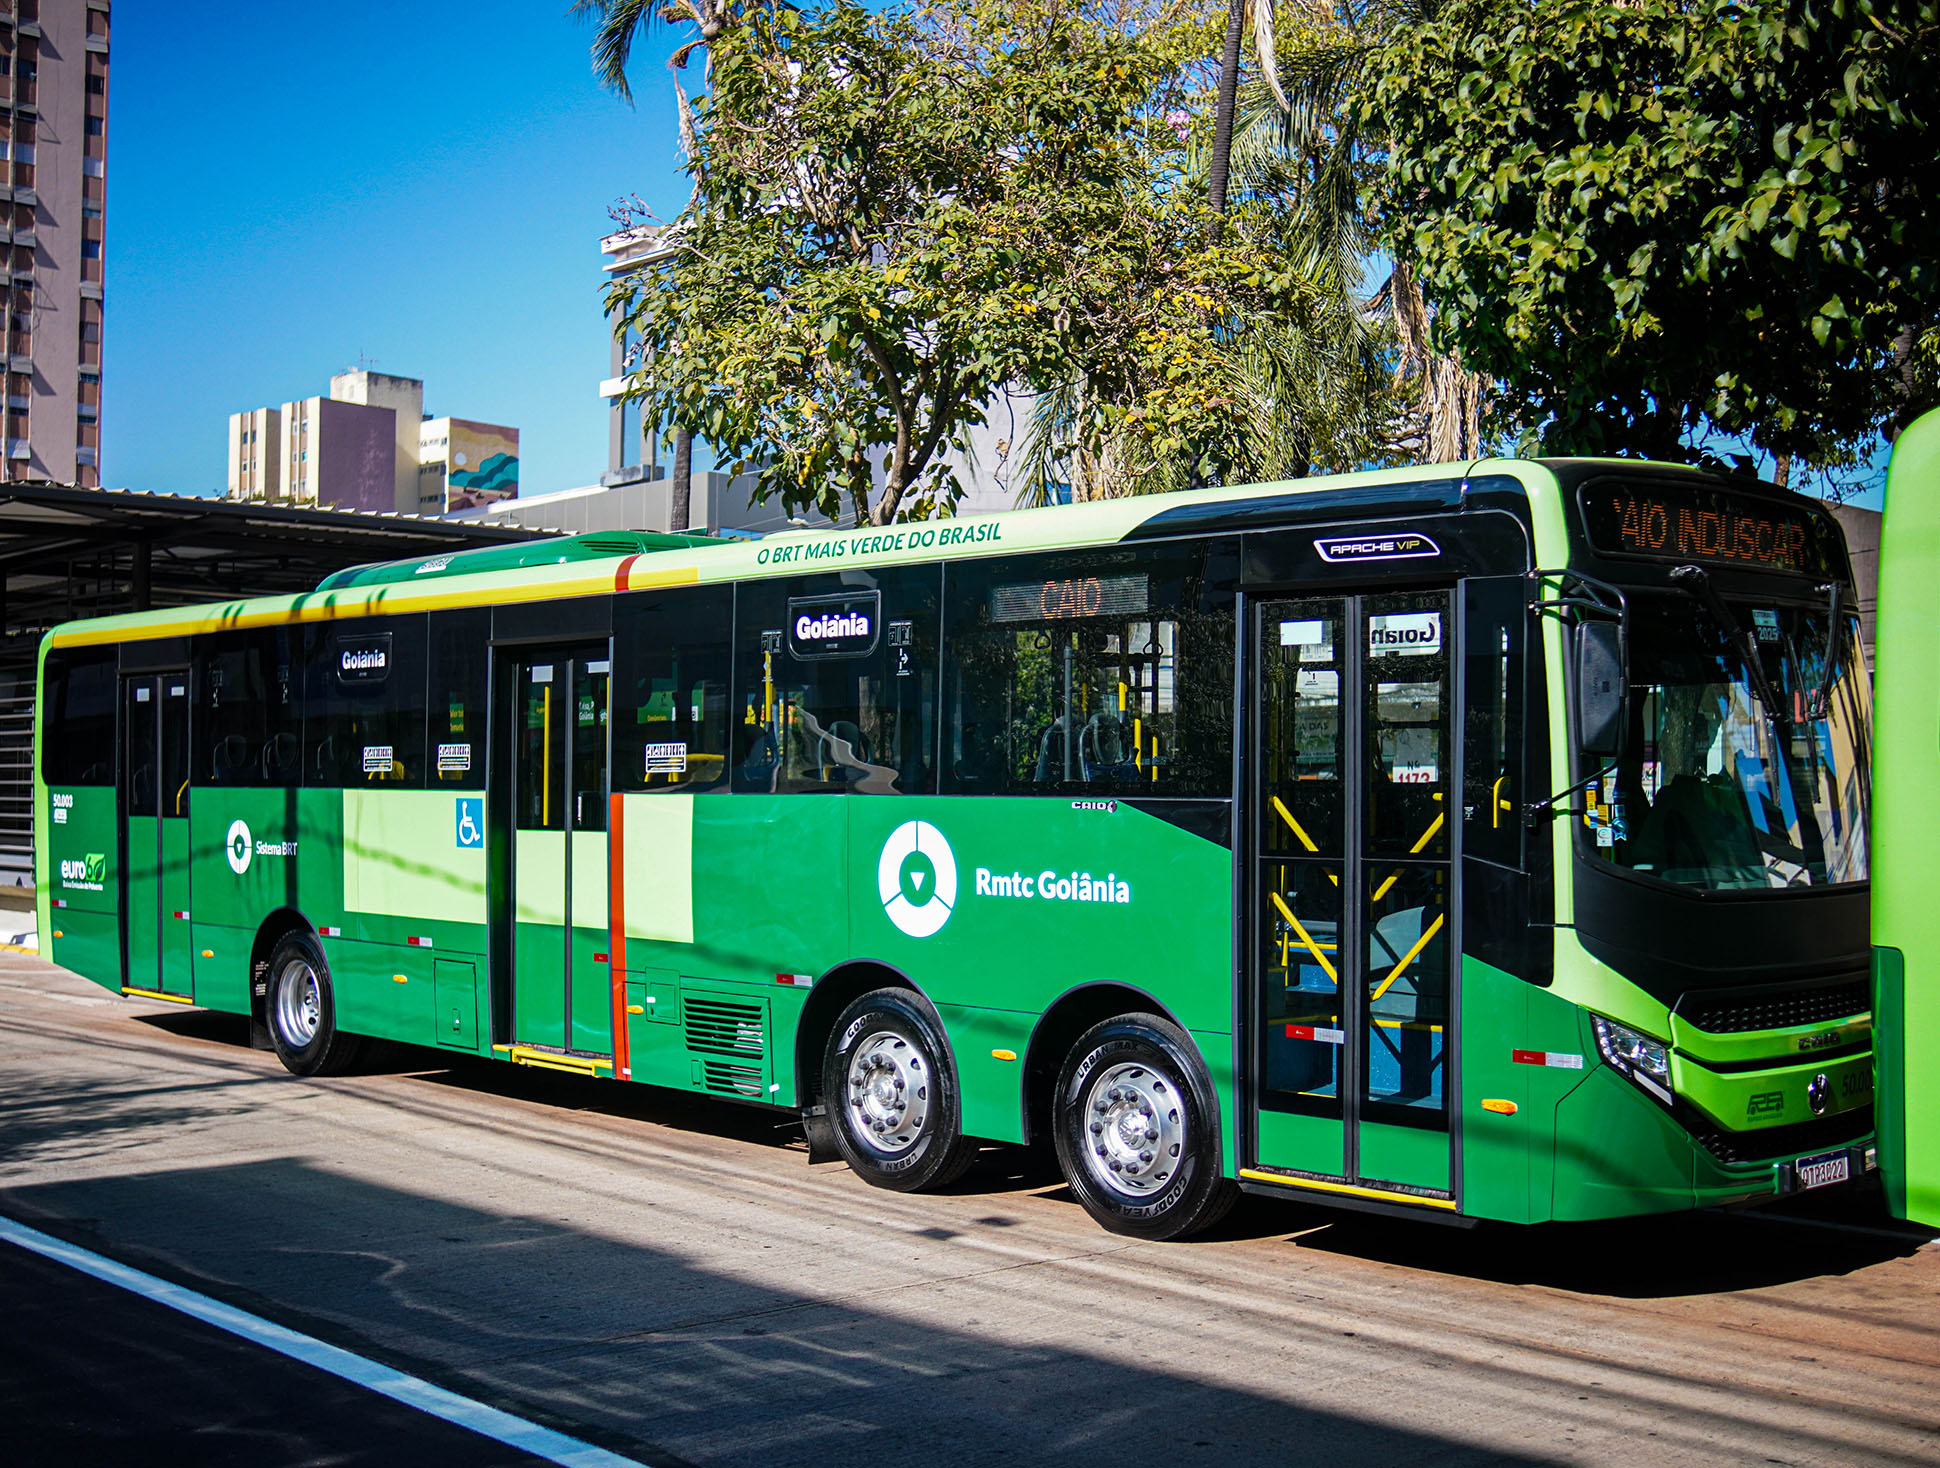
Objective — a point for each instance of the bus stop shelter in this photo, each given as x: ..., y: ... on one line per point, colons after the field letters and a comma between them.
x: 67, y: 553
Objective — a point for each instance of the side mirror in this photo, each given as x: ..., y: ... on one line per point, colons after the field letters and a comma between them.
x: 1602, y: 685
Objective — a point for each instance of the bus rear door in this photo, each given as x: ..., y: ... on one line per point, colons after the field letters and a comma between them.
x: 561, y: 979
x: 156, y: 933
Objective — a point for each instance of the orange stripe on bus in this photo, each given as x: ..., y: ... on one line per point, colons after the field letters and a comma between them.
x: 616, y: 917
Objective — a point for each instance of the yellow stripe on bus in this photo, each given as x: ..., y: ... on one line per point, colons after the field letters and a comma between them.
x: 155, y: 994
x: 1322, y: 1186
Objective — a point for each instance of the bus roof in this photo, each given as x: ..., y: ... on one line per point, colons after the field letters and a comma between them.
x: 605, y: 562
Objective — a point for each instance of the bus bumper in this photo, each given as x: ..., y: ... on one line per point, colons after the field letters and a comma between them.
x: 1620, y: 1153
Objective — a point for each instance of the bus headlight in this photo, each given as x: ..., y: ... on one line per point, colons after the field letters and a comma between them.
x: 1642, y: 1059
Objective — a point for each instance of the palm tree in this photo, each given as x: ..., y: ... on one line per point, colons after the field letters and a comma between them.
x: 1311, y: 123
x: 1229, y: 56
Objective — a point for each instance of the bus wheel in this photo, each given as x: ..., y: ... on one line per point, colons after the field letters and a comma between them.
x: 891, y: 1093
x: 302, y: 1011
x: 1137, y: 1130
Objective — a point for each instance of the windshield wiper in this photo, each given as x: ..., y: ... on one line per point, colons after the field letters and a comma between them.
x: 1693, y: 580
x: 1835, y: 640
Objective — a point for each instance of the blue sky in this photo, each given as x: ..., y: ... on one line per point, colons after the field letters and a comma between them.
x: 424, y: 185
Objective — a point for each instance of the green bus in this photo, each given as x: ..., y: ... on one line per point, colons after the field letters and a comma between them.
x: 1906, y: 928
x: 1479, y: 841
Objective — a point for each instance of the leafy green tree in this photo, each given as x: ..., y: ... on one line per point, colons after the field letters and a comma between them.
x: 898, y: 215
x: 1650, y: 219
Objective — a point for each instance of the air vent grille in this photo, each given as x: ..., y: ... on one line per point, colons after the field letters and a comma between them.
x: 721, y: 1027
x: 1739, y: 1148
x: 1778, y: 1008
x: 732, y: 1080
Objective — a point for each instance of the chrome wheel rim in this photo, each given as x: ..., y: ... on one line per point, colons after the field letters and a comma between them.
x: 888, y: 1093
x: 299, y: 1003
x: 1135, y: 1130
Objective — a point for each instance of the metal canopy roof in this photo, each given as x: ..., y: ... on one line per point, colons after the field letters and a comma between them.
x: 67, y: 552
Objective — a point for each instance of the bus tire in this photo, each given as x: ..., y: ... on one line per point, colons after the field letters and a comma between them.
x: 301, y: 1010
x: 890, y: 1091
x: 1137, y: 1130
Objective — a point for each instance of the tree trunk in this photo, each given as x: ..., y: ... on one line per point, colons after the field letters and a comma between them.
x: 1228, y: 89
x: 1782, y: 471
x: 683, y: 490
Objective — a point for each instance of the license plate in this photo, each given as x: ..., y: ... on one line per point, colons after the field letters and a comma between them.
x: 1826, y: 1168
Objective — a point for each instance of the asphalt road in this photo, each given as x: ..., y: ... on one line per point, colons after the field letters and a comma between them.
x: 669, y: 1278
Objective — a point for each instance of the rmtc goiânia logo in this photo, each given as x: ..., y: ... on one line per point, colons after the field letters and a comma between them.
x: 87, y: 874
x: 917, y: 878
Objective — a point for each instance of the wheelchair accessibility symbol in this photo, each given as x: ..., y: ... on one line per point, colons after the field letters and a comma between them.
x: 471, y: 820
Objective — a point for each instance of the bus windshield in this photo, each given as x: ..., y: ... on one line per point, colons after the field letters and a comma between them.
x: 1718, y: 791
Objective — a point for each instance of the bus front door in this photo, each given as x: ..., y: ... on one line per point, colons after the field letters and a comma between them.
x: 156, y: 936
x: 561, y: 981
x: 1354, y: 773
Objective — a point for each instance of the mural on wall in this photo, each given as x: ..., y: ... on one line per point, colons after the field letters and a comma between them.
x: 481, y: 465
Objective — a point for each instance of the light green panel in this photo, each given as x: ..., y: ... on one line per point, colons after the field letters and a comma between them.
x: 589, y: 881
x: 539, y: 876
x: 402, y: 858
x: 1748, y: 1101
x: 659, y: 871
x: 1906, y: 839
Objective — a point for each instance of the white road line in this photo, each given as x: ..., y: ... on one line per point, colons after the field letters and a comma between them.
x: 514, y: 1432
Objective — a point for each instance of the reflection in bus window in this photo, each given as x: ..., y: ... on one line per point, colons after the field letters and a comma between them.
x: 250, y: 727
x: 1715, y: 789
x: 827, y: 701
x: 1094, y: 674
x: 670, y: 695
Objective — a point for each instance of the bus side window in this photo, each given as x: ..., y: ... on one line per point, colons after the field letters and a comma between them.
x: 1109, y: 673
x: 366, y: 724
x: 78, y: 718
x: 852, y: 711
x: 455, y: 707
x: 250, y: 708
x: 670, y: 689
x: 1493, y: 796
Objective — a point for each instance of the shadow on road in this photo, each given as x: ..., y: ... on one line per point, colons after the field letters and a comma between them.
x: 1663, y: 1256
x: 649, y: 1349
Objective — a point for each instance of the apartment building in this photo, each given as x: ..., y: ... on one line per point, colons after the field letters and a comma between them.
x: 54, y: 142
x: 367, y: 445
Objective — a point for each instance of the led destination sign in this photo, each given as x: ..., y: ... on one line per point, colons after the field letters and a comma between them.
x: 1079, y: 596
x: 364, y: 659
x: 1672, y: 523
x: 840, y: 626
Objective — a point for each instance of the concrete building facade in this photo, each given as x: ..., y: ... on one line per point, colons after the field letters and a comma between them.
x: 54, y: 141
x: 404, y: 396
x: 365, y: 447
